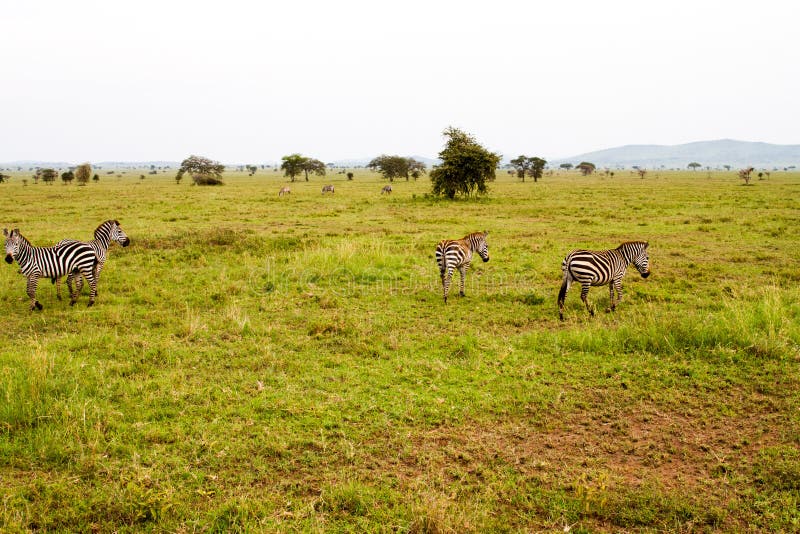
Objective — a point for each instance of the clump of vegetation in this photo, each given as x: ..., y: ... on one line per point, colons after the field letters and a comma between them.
x: 466, y: 166
x: 744, y: 174
x: 202, y: 170
x: 82, y: 173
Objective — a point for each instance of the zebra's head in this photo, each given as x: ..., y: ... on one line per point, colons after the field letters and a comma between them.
x: 482, y: 247
x: 119, y: 235
x: 112, y: 231
x: 642, y: 260
x: 12, y: 244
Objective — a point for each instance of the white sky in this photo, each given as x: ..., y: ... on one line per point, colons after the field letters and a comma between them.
x: 248, y: 81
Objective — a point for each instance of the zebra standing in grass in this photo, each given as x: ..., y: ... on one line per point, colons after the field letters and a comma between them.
x: 598, y: 268
x: 108, y: 232
x: 39, y: 262
x: 386, y: 189
x: 284, y: 191
x: 327, y: 189
x: 452, y: 254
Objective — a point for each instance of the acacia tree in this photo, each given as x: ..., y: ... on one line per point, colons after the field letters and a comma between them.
x: 48, y: 175
x: 585, y: 167
x: 313, y: 165
x: 537, y: 167
x: 465, y: 167
x: 566, y: 166
x: 83, y: 173
x: 202, y: 170
x: 292, y: 165
x: 694, y: 165
x: 522, y: 165
x: 67, y: 177
x: 392, y: 167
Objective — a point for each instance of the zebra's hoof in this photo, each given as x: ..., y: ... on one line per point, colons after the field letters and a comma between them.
x: 461, y: 294
x: 72, y: 302
x: 91, y: 303
x: 37, y: 305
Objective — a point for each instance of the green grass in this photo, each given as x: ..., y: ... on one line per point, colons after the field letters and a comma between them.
x: 256, y: 363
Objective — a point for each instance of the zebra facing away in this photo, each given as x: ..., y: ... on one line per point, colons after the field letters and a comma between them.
x: 457, y: 254
x: 386, y: 189
x: 40, y: 262
x: 327, y: 189
x: 598, y: 268
x: 108, y: 232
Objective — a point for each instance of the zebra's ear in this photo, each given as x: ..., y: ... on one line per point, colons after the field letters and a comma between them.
x: 5, y: 232
x: 646, y: 244
x: 485, y: 232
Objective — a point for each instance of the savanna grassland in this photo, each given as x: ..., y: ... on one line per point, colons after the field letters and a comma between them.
x: 256, y: 363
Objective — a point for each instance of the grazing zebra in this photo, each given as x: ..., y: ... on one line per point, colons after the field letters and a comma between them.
x: 284, y: 191
x: 327, y: 189
x: 386, y: 189
x: 598, y: 268
x: 108, y: 232
x: 452, y: 254
x: 39, y: 262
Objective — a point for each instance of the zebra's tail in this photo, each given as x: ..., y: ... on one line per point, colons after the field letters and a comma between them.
x: 562, y: 293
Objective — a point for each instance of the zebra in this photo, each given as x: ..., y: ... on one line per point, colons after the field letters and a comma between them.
x: 327, y: 189
x: 109, y: 231
x: 598, y: 268
x: 284, y: 191
x: 452, y: 254
x: 386, y: 189
x: 39, y: 262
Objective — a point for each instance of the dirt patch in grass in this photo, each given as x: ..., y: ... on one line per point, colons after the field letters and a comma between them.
x: 675, y: 451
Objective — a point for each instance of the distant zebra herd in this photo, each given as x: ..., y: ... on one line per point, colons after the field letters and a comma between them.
x: 79, y: 261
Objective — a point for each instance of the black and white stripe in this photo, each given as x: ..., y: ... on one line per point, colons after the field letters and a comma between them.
x: 457, y: 254
x: 327, y: 189
x: 108, y: 232
x: 48, y: 262
x: 601, y: 267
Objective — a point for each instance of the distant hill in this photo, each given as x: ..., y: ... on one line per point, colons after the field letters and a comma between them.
x: 707, y: 153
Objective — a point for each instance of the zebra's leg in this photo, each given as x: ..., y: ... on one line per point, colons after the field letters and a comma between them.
x: 463, y: 271
x: 447, y: 277
x: 78, y: 283
x: 611, y: 305
x: 562, y: 295
x: 32, y: 283
x: 57, y: 281
x: 92, y: 279
x: 618, y: 286
x: 73, y: 292
x: 584, y: 298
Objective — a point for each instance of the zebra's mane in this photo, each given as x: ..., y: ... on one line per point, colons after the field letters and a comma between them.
x: 632, y: 244
x: 105, y: 227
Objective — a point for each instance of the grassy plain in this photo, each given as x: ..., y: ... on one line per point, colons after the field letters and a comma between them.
x: 257, y: 363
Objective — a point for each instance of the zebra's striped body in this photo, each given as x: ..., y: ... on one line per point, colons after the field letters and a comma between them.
x: 457, y: 254
x: 386, y: 189
x: 598, y: 268
x: 108, y: 232
x: 284, y: 191
x: 40, y: 262
x: 327, y: 189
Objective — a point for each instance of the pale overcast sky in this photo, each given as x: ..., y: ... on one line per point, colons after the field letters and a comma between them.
x: 247, y: 82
